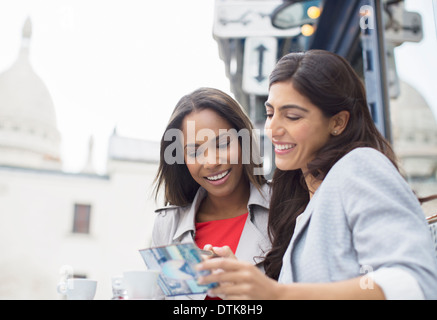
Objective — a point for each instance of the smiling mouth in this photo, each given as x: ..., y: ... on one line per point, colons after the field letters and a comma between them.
x: 218, y: 176
x: 283, y: 147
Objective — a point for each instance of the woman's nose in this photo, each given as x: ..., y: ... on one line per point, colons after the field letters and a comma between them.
x: 273, y: 127
x: 210, y: 159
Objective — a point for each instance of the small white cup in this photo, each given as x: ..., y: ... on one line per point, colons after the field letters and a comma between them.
x: 78, y: 289
x: 141, y: 284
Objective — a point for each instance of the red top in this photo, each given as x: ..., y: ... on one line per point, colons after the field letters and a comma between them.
x: 219, y: 233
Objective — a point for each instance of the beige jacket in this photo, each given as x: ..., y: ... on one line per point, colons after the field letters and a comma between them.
x: 177, y: 225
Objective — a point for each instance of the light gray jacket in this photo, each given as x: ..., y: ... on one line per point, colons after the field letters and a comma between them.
x: 175, y: 224
x: 364, y: 219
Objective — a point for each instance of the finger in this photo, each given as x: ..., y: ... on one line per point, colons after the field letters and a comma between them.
x: 208, y: 247
x: 221, y: 296
x: 207, y: 252
x: 206, y: 255
x: 226, y: 264
x: 224, y: 252
x: 231, y: 292
x: 221, y: 278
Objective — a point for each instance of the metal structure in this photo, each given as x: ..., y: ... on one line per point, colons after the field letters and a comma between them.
x: 365, y: 32
x: 358, y: 35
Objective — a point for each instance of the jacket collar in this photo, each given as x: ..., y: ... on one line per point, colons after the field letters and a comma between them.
x: 303, y: 220
x: 188, y: 218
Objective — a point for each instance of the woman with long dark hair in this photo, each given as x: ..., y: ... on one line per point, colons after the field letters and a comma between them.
x: 343, y: 222
x: 211, y: 176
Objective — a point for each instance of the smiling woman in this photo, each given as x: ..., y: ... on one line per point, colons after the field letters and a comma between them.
x: 215, y: 197
x: 339, y: 204
x: 298, y: 129
x: 211, y: 169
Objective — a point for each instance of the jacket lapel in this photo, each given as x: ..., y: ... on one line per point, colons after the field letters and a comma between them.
x: 253, y: 245
x: 186, y: 225
x: 301, y: 224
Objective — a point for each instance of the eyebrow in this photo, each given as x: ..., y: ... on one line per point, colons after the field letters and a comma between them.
x: 191, y: 145
x: 195, y: 145
x: 287, y: 106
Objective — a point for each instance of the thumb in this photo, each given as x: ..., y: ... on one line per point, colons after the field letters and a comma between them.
x: 224, y: 252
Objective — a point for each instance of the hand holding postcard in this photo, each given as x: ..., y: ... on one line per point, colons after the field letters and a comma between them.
x: 177, y: 265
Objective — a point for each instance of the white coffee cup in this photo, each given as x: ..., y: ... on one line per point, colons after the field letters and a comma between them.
x: 141, y: 284
x: 78, y: 289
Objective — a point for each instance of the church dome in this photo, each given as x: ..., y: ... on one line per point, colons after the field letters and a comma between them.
x: 414, y: 128
x: 28, y: 131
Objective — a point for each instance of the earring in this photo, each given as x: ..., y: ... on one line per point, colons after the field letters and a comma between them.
x: 335, y: 133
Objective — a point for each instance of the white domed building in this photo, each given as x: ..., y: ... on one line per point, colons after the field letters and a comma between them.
x: 414, y: 128
x: 29, y: 136
x: 51, y: 220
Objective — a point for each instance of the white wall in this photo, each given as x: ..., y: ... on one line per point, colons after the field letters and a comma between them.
x: 36, y: 219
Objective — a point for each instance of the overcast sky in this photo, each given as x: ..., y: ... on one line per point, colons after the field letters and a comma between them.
x: 126, y: 63
x: 114, y: 63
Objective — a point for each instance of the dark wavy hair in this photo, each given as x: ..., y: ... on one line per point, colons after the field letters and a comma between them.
x: 179, y: 187
x: 332, y: 85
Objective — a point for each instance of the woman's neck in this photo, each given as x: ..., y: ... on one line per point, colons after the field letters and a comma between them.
x: 218, y: 208
x: 312, y: 184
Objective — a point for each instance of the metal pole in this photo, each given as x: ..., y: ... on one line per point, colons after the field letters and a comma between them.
x: 375, y: 67
x: 382, y: 54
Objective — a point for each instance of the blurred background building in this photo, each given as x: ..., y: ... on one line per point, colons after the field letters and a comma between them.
x: 253, y: 35
x: 51, y: 220
x: 93, y: 222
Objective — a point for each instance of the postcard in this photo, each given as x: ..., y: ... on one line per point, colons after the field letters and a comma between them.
x: 177, y: 265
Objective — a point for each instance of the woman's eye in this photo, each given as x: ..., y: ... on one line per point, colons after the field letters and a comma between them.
x: 294, y: 118
x: 223, y: 144
x: 269, y: 115
x: 191, y: 153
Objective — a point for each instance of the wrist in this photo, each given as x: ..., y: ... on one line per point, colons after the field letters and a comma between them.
x: 279, y: 291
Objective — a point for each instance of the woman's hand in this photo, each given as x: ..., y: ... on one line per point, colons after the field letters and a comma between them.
x: 237, y: 280
x: 223, y: 252
x: 240, y: 280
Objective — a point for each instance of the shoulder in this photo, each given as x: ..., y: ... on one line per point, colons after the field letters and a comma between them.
x: 267, y: 188
x: 364, y: 173
x: 167, y: 220
x: 363, y: 156
x: 169, y: 213
x: 260, y: 197
x: 366, y: 180
x: 365, y: 162
x: 265, y: 191
x: 166, y: 209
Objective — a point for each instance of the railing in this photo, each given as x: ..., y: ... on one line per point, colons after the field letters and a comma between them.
x: 432, y: 219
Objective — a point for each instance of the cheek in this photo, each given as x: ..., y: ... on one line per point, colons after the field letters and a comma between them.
x: 234, y: 152
x: 312, y: 137
x: 303, y: 133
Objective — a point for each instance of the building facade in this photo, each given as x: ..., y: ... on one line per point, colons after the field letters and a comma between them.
x: 52, y: 221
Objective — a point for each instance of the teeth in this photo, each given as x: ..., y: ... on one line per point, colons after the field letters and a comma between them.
x: 218, y: 177
x: 284, y: 146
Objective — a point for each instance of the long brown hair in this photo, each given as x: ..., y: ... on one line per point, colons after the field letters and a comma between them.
x: 331, y: 84
x: 180, y: 187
